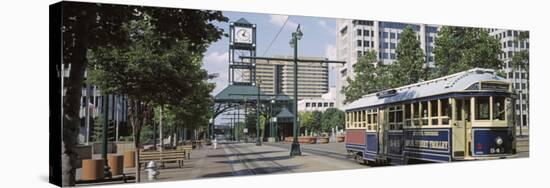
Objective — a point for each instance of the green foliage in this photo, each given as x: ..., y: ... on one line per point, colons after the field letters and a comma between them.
x: 520, y: 60
x: 461, y: 48
x: 146, y: 135
x: 365, y: 78
x: 306, y: 119
x: 409, y: 68
x: 332, y: 117
x: 316, y: 117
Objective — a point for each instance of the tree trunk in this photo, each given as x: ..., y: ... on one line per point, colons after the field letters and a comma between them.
x: 71, y: 107
x: 160, y: 129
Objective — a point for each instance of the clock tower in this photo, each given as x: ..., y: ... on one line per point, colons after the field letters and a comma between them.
x: 242, y: 42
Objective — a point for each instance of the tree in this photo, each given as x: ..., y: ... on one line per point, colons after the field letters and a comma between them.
x: 148, y: 72
x: 364, y: 81
x: 332, y: 118
x: 460, y: 48
x: 316, y: 117
x: 409, y: 67
x: 88, y: 26
x: 305, y: 121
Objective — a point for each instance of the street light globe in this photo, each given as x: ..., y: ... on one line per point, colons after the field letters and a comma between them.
x: 272, y: 101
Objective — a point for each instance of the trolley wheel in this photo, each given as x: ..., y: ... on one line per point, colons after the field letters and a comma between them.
x: 359, y: 159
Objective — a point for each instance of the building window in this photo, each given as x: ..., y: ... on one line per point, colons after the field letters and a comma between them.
x: 510, y: 43
x: 372, y: 44
x: 510, y: 74
x: 320, y: 104
x: 510, y: 54
x: 359, y: 32
x: 331, y: 104
x: 504, y: 45
x: 359, y: 42
x: 392, y: 56
x: 385, y: 35
x: 392, y: 35
x: 307, y: 104
x: 372, y: 33
x: 384, y: 55
x: 385, y: 45
x: 515, y: 33
x: 359, y: 54
x: 392, y: 45
x: 313, y: 104
x: 430, y: 39
x: 325, y: 104
x: 398, y: 36
x: 366, y: 43
x: 366, y: 33
x: 522, y: 45
x: 509, y: 33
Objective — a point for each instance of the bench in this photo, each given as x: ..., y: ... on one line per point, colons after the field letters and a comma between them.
x: 162, y: 157
x: 187, y: 150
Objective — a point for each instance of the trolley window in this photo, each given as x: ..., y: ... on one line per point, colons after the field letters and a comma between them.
x: 482, y: 108
x: 445, y: 111
x: 434, y: 112
x: 408, y: 114
x: 424, y: 108
x: 498, y: 108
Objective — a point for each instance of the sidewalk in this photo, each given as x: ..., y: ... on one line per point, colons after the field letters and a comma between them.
x: 205, y: 162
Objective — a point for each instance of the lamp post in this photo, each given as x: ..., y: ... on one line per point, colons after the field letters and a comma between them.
x: 295, y: 148
x: 258, y: 141
x: 276, y: 130
x: 271, y: 128
x: 211, y: 121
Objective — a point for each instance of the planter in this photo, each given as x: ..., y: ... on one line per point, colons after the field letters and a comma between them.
x: 92, y: 169
x: 129, y: 159
x: 323, y: 140
x: 312, y: 140
x: 304, y: 139
x: 115, y: 162
x: 340, y: 138
x: 288, y: 139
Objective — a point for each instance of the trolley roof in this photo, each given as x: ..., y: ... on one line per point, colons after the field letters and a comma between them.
x: 451, y: 83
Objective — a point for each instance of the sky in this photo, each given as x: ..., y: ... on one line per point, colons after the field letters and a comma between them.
x: 319, y: 40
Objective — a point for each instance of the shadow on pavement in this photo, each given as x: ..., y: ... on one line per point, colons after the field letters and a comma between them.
x: 257, y: 171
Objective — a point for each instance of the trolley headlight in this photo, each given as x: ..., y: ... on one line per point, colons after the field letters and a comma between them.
x: 499, y: 141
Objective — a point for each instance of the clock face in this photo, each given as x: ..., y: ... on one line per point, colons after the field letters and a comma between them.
x: 243, y: 35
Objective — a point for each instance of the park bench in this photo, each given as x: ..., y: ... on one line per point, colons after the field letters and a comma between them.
x: 178, y: 155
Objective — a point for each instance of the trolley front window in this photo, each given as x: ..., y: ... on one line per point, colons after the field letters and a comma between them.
x: 482, y: 108
x: 498, y: 108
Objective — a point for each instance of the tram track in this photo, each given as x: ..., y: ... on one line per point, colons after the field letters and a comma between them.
x: 251, y: 167
x: 333, y: 155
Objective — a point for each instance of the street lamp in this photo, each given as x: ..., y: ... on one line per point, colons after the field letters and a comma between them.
x: 295, y: 148
x: 276, y: 130
x: 271, y: 115
x: 211, y: 121
x: 258, y: 141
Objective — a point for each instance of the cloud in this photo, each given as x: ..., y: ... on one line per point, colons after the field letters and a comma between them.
x: 216, y: 62
x: 279, y: 20
x: 327, y: 27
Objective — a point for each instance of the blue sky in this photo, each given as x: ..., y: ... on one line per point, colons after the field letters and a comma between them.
x: 319, y: 40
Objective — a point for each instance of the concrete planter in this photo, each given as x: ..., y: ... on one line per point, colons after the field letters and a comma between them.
x: 340, y: 138
x: 312, y: 140
x: 304, y: 139
x: 322, y: 140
